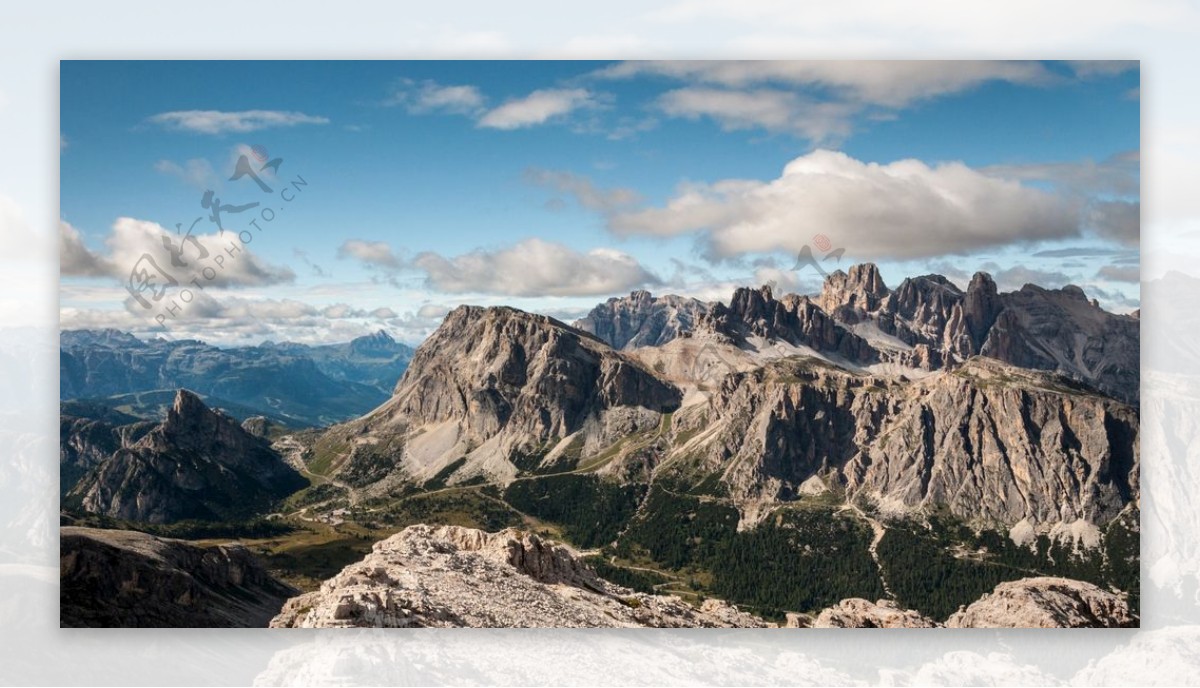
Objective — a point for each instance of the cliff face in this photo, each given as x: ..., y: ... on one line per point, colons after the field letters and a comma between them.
x: 458, y: 577
x: 198, y: 463
x: 121, y: 578
x: 494, y: 386
x: 993, y: 443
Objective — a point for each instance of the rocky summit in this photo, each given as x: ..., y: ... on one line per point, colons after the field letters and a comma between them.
x: 449, y: 576
x: 496, y: 386
x: 1046, y: 603
x: 197, y: 464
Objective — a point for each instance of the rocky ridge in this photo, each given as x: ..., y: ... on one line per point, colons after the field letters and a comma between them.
x: 448, y: 576
x: 122, y: 578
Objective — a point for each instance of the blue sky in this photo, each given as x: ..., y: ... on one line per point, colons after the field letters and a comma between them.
x: 551, y: 186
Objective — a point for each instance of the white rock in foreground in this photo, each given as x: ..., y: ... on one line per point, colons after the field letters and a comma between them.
x: 856, y: 612
x: 1045, y: 603
x: 448, y: 576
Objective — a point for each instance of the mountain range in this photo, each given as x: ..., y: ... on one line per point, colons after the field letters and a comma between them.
x: 294, y: 384
x: 922, y: 444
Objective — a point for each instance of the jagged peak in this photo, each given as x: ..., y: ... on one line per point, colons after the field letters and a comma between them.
x: 187, y: 403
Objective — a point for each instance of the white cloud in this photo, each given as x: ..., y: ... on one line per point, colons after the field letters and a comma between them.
x: 770, y: 109
x: 231, y: 262
x: 536, y: 108
x: 430, y: 96
x: 196, y: 172
x: 74, y: 258
x: 583, y: 190
x: 817, y: 100
x: 901, y: 210
x: 218, y: 122
x: 433, y: 310
x: 227, y: 319
x: 891, y: 83
x: 535, y: 267
x: 371, y: 253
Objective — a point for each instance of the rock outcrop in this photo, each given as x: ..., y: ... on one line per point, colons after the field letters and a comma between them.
x: 198, y: 463
x: 449, y: 576
x: 1046, y: 603
x: 796, y: 320
x: 642, y: 319
x: 122, y: 578
x: 859, y: 613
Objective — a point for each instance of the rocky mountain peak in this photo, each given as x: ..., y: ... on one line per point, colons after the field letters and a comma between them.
x: 792, y: 319
x: 980, y: 307
x: 198, y: 463
x: 861, y: 290
x: 642, y: 319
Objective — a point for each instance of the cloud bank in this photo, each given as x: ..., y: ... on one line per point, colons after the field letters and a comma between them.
x: 900, y: 210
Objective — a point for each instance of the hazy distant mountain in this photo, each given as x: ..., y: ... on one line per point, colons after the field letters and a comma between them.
x: 295, y: 384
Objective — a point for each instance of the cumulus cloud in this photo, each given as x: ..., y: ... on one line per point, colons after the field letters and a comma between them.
x: 535, y: 267
x: 583, y: 190
x: 901, y: 210
x: 219, y: 122
x: 433, y: 310
x: 75, y: 259
x: 1116, y: 220
x: 430, y: 96
x: 371, y: 253
x: 134, y: 243
x: 536, y: 108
